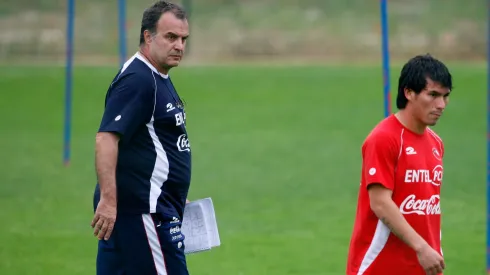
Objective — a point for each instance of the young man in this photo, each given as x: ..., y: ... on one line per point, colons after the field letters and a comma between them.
x: 398, y: 221
x: 143, y: 158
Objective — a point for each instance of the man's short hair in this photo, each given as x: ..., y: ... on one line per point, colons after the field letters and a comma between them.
x: 414, y: 76
x: 152, y: 14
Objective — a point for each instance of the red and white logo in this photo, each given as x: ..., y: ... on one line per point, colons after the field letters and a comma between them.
x: 433, y: 176
x: 412, y: 205
x: 437, y: 173
x: 436, y: 153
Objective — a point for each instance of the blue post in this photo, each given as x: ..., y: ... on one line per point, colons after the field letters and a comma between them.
x: 68, y: 79
x: 385, y: 55
x: 488, y: 137
x: 122, y: 32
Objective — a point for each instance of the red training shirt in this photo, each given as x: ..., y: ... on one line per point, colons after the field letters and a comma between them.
x: 410, y: 165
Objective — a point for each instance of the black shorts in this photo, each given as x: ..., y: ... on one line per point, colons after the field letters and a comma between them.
x: 143, y: 244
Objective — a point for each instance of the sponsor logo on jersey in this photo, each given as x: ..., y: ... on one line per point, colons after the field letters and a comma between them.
x: 433, y: 176
x: 414, y: 205
x: 183, y: 143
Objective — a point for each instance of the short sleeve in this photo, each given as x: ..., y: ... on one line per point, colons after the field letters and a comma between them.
x: 380, y: 155
x: 129, y: 105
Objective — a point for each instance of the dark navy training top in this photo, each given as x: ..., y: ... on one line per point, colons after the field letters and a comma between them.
x: 154, y: 159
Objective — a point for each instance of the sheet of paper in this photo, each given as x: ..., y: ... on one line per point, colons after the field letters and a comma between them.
x: 211, y: 223
x: 199, y: 226
x: 195, y: 229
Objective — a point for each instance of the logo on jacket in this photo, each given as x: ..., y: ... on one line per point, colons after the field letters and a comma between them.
x: 183, y: 143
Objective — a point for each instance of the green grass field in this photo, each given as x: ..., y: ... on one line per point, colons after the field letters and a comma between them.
x: 278, y: 150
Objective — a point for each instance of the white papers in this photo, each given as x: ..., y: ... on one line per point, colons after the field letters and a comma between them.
x: 199, y: 226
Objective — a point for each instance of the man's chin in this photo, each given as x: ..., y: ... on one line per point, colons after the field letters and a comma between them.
x: 432, y: 122
x: 171, y: 65
x: 174, y: 61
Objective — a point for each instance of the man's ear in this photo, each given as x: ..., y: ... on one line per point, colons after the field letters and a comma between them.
x: 409, y: 94
x: 148, y: 36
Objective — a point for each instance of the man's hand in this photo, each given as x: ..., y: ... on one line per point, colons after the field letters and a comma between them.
x: 187, y: 201
x: 104, y: 218
x: 106, y: 150
x: 430, y: 260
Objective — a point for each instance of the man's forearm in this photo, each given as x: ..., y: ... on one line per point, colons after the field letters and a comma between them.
x: 387, y: 211
x: 106, y: 150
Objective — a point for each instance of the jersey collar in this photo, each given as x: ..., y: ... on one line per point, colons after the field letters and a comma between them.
x: 142, y: 58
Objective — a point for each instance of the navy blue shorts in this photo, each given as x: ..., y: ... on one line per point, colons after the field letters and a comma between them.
x: 143, y: 244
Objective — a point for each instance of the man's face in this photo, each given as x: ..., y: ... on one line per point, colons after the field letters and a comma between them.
x: 167, y: 46
x: 429, y: 104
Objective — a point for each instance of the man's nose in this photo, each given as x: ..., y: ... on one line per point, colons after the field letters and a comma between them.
x: 179, y: 45
x: 441, y: 103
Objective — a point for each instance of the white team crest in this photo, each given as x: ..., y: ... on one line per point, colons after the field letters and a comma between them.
x: 436, y: 153
x: 372, y: 171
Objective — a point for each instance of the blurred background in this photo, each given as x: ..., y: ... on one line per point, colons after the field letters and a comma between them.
x: 280, y: 95
x: 245, y: 30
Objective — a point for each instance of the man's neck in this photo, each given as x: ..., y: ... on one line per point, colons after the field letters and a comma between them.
x: 411, y: 122
x: 144, y: 51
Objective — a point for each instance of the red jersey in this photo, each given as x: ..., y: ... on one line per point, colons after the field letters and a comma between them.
x: 410, y: 165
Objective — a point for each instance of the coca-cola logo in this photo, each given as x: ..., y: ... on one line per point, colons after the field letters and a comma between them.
x: 183, y: 143
x: 412, y: 205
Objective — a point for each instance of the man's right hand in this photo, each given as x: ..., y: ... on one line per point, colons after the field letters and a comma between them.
x: 104, y: 218
x: 430, y: 260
